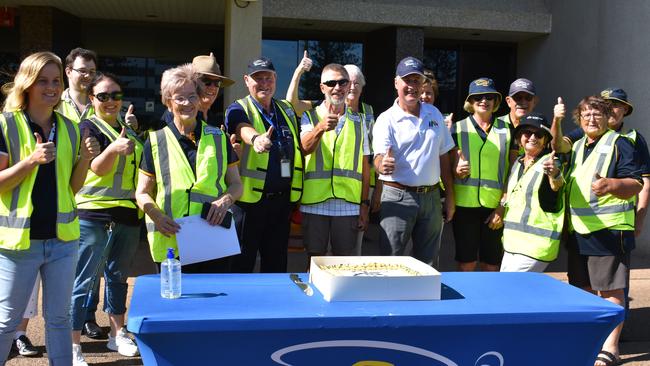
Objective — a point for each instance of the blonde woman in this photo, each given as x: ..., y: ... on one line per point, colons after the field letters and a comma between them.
x: 43, y: 162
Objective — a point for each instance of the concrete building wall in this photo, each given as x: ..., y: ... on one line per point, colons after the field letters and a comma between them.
x: 594, y: 44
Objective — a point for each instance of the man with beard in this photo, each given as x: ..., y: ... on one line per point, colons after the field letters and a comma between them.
x: 335, y: 143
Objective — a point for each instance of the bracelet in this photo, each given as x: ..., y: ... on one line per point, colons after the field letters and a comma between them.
x: 253, y: 139
x: 365, y: 202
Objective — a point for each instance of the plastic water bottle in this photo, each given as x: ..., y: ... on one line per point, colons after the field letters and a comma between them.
x: 170, y: 276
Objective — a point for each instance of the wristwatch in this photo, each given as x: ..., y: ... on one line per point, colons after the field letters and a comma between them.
x: 365, y: 202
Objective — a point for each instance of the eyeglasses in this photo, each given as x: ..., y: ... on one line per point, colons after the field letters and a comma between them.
x: 332, y: 83
x: 528, y: 133
x: 480, y: 97
x: 85, y: 72
x: 211, y: 82
x: 523, y: 96
x: 591, y: 115
x: 192, y: 99
x: 104, y: 97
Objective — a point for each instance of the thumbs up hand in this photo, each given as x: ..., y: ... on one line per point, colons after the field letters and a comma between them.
x: 331, y: 120
x: 262, y: 143
x: 600, y: 185
x: 306, y: 62
x: 388, y: 162
x: 559, y: 111
x: 449, y: 120
x: 463, y: 167
x: 89, y: 146
x: 43, y: 152
x: 550, y: 166
x: 122, y: 145
x: 130, y: 119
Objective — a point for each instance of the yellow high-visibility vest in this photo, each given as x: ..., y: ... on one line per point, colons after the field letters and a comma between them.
x: 528, y: 229
x: 253, y: 166
x: 488, y: 164
x: 179, y: 191
x: 117, y: 187
x: 334, y: 169
x: 590, y: 213
x: 16, y: 204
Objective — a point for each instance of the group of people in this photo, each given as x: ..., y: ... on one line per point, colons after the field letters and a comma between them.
x: 76, y: 181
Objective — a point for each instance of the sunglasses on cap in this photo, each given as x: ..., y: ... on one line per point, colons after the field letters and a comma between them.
x: 539, y: 134
x: 211, y: 82
x: 104, y: 97
x: 332, y: 83
x: 480, y: 97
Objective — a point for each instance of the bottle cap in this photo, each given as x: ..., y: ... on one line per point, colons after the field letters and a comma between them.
x: 170, y: 253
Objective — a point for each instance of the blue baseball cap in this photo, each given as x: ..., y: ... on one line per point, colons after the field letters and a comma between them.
x: 619, y: 95
x: 483, y: 86
x: 521, y: 85
x: 260, y: 64
x: 408, y: 66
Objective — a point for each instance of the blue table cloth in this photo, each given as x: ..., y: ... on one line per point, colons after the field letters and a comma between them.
x: 483, y: 319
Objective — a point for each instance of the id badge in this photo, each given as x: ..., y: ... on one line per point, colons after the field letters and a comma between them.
x: 285, y: 168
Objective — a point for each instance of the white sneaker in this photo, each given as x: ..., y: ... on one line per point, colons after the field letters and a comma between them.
x: 77, y: 356
x: 123, y: 344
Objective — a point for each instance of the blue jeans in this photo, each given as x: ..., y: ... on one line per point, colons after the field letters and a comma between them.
x: 121, y: 246
x: 55, y: 261
x: 410, y: 215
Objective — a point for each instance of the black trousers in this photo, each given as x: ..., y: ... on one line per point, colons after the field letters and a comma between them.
x: 265, y: 229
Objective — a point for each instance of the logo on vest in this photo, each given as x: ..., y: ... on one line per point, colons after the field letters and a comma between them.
x: 210, y: 130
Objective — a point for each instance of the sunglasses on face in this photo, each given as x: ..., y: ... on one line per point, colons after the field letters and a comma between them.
x: 211, y: 82
x: 525, y: 96
x: 332, y: 83
x: 480, y: 97
x: 528, y: 133
x: 104, y: 97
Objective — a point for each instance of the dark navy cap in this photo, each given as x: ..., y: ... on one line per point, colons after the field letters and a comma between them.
x: 408, y: 66
x: 483, y: 86
x: 260, y: 64
x: 521, y: 85
x: 537, y: 120
x: 618, y: 95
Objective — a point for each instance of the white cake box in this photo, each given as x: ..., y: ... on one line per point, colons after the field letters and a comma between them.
x: 424, y: 286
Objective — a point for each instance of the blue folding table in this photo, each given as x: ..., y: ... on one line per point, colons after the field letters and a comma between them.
x: 483, y: 319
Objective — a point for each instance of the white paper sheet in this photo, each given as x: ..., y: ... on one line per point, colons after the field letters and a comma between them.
x: 198, y: 241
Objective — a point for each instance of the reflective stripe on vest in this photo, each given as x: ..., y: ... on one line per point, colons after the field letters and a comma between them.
x: 116, y: 188
x: 334, y: 169
x: 528, y: 229
x: 16, y: 205
x: 180, y: 191
x: 482, y: 187
x: 602, y: 212
x: 253, y: 166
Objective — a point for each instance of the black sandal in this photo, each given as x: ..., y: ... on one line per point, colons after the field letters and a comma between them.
x: 609, y: 358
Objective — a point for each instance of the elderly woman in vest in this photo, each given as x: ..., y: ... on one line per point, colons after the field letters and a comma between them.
x: 535, y: 201
x: 485, y: 150
x: 184, y: 165
x: 602, y: 186
x: 108, y: 216
x: 43, y: 162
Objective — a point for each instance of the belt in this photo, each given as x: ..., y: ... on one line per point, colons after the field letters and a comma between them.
x: 419, y: 189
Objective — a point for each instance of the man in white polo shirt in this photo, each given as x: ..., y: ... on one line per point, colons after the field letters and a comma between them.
x: 411, y: 144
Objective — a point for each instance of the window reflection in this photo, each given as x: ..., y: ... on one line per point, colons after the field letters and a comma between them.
x: 286, y: 54
x: 444, y: 64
